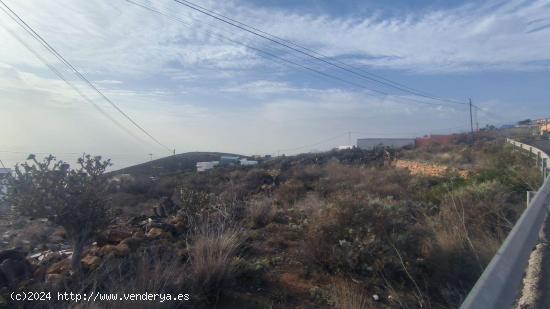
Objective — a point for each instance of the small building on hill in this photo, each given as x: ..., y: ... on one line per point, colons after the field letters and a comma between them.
x: 371, y: 143
x: 543, y: 127
x: 246, y: 162
x: 345, y: 147
x: 203, y: 166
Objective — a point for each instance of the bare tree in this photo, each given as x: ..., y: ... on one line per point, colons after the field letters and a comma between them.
x: 71, y: 198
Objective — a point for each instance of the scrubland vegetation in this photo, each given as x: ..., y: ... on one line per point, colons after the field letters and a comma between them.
x: 340, y: 229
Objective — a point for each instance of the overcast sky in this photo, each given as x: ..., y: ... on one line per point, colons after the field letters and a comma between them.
x: 193, y: 89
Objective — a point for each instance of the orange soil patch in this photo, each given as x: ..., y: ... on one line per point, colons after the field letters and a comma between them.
x: 427, y: 168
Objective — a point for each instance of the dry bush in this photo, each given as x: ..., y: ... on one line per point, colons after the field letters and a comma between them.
x: 155, y: 270
x: 472, y: 223
x: 213, y: 259
x: 348, y: 295
x: 290, y: 191
x: 260, y: 211
x: 355, y: 231
x: 381, y: 181
x: 311, y: 204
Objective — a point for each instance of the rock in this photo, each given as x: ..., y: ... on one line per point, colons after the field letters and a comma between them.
x: 138, y: 235
x: 106, y: 250
x: 61, y: 267
x: 91, y: 262
x: 122, y: 250
x: 15, y: 270
x: 164, y: 226
x: 156, y: 232
x: 116, y: 236
x: 131, y: 242
x: 138, y: 221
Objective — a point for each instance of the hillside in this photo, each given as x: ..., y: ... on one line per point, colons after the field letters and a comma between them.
x: 346, y: 229
x: 184, y: 162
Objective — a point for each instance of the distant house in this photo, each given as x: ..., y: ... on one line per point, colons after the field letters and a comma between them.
x: 371, y: 143
x: 246, y: 162
x: 543, y: 126
x: 345, y: 147
x: 229, y: 160
x: 203, y: 166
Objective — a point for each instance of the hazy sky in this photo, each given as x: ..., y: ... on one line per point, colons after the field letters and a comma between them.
x: 194, y: 90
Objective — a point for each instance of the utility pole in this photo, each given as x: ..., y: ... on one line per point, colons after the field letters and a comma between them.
x: 151, y: 157
x: 471, y: 121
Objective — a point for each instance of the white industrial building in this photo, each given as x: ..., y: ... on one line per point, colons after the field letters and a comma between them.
x: 371, y: 143
x: 246, y: 162
x: 203, y: 166
x: 345, y: 147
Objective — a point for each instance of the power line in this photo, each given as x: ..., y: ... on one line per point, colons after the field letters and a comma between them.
x: 279, y: 58
x: 35, y: 35
x: 306, y: 51
x: 69, y: 83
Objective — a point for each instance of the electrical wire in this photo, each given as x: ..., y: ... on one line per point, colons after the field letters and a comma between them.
x: 69, y: 83
x: 305, y: 51
x: 281, y: 59
x: 37, y: 36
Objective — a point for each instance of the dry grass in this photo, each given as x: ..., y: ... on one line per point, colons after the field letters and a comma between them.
x: 348, y: 295
x: 260, y: 211
x: 213, y: 258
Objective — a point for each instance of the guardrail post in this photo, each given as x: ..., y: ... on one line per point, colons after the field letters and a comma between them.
x: 530, y: 196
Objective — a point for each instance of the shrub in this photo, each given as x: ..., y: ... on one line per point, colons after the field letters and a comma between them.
x: 354, y: 231
x: 348, y: 295
x: 72, y: 198
x: 290, y: 191
x: 213, y: 254
x: 260, y: 211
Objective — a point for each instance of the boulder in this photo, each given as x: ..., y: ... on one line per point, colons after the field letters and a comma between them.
x: 61, y: 267
x: 122, y: 250
x: 156, y: 232
x: 116, y: 236
x: 138, y: 235
x: 164, y: 226
x: 106, y: 250
x: 91, y: 262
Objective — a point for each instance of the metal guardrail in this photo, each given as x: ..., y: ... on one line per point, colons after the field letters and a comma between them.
x: 500, y: 283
